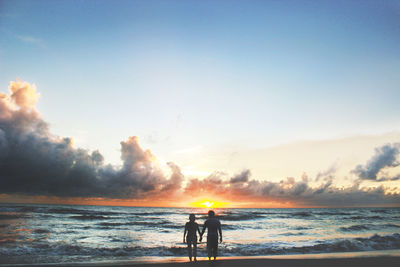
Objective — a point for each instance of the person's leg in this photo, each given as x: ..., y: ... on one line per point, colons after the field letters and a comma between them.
x: 215, y: 247
x: 212, y: 241
x: 195, y: 250
x: 209, y: 247
x: 189, y: 247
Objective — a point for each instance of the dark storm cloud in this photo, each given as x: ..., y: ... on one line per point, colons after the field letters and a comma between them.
x: 34, y: 162
x: 241, y: 178
x: 291, y: 191
x: 385, y: 157
x: 327, y: 174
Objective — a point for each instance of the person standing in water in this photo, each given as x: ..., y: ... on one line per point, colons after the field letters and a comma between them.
x: 214, y: 227
x: 191, y: 228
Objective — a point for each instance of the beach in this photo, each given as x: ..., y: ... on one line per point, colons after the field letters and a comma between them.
x: 387, y: 261
x: 355, y: 262
x: 387, y: 258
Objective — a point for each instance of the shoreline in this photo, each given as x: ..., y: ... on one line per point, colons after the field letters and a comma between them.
x: 363, y: 258
x: 387, y: 261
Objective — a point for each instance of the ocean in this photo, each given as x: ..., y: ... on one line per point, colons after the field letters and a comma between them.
x: 73, y: 234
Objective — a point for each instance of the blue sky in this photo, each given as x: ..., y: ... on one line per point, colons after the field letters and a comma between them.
x: 206, y: 75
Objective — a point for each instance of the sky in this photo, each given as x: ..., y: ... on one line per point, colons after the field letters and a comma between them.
x: 269, y: 101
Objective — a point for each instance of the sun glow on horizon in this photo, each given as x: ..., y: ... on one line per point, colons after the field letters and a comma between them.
x: 207, y: 203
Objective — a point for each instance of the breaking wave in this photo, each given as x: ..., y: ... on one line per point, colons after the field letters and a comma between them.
x: 375, y: 242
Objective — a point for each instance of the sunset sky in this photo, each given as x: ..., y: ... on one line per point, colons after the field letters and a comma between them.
x: 170, y: 103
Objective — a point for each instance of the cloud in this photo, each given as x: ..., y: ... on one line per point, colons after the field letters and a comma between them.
x: 385, y: 157
x: 327, y: 174
x: 35, y: 162
x: 30, y: 40
x: 290, y: 190
x: 23, y: 94
x: 243, y: 177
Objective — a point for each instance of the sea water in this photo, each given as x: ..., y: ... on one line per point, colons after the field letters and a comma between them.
x: 66, y: 233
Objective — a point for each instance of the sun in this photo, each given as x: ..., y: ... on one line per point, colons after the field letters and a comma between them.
x: 206, y: 203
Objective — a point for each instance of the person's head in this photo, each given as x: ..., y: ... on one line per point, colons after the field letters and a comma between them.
x: 192, y: 217
x: 211, y: 213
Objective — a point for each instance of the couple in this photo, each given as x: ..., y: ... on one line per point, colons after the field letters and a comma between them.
x: 213, y: 225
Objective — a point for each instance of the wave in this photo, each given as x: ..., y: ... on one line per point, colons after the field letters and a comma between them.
x: 362, y: 227
x: 308, y: 213
x: 375, y: 242
x: 108, y: 213
x: 359, y: 217
x: 302, y: 228
x: 391, y: 225
x: 156, y: 213
x: 54, y: 210
x: 152, y: 224
x: 16, y: 208
x: 82, y: 212
x: 90, y: 217
x: 382, y: 211
x: 28, y: 209
x: 114, y: 224
x: 292, y: 234
x: 326, y: 213
x: 41, y: 231
x: 240, y: 217
x: 13, y: 216
x: 301, y: 214
x: 355, y: 228
x: 67, y: 211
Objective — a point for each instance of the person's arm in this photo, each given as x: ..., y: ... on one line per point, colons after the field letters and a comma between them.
x: 184, y: 234
x: 198, y: 230
x: 220, y: 232
x: 202, y: 231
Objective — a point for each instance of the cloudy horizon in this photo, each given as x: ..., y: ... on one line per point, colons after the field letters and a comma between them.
x: 37, y: 163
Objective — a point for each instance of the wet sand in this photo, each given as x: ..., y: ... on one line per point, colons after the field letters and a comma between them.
x: 353, y: 262
x: 385, y: 261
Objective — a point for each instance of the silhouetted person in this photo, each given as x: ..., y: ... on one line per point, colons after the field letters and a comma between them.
x: 214, y: 226
x: 191, y: 237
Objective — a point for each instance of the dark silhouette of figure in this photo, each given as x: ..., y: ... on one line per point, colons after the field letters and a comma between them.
x: 191, y: 227
x: 214, y: 227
